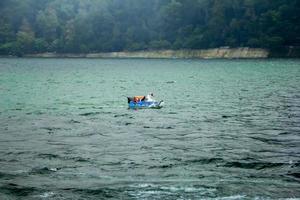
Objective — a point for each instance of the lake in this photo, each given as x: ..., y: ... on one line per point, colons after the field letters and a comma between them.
x: 230, y: 129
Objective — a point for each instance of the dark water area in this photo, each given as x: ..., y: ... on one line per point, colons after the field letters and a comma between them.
x: 230, y: 129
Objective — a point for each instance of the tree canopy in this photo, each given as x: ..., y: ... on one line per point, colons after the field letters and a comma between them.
x: 86, y: 26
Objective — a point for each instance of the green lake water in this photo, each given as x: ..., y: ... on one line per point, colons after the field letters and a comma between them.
x: 230, y: 129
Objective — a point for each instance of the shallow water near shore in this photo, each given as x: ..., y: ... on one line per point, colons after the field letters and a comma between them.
x: 230, y: 129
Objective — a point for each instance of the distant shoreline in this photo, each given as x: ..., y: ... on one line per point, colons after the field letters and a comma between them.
x: 215, y: 53
x: 225, y: 53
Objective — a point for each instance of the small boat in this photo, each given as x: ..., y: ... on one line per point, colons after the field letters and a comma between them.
x: 136, y: 103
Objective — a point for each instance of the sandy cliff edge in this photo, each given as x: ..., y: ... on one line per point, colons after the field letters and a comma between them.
x: 229, y: 53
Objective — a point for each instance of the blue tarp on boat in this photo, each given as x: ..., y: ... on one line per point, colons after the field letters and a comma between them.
x: 145, y: 104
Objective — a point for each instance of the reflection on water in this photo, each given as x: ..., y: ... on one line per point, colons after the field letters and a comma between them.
x: 229, y: 129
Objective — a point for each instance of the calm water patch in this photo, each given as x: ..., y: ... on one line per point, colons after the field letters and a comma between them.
x: 230, y: 129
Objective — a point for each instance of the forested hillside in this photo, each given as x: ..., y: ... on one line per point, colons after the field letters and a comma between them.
x: 86, y: 26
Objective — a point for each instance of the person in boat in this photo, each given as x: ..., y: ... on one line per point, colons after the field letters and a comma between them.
x: 137, y: 99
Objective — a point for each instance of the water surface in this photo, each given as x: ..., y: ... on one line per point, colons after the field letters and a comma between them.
x: 230, y: 129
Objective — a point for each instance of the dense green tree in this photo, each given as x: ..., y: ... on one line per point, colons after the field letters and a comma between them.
x: 25, y: 39
x: 83, y: 26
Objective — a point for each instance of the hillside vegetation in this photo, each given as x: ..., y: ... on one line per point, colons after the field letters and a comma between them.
x: 88, y: 26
